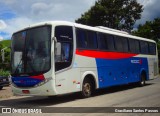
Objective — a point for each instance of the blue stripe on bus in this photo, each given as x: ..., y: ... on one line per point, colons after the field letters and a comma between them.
x: 120, y: 71
x: 25, y: 81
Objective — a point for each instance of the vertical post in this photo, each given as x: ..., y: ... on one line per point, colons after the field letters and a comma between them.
x: 3, y: 53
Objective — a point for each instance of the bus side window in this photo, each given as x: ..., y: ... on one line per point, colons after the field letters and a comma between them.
x: 91, y: 40
x: 81, y: 38
x: 144, y: 47
x: 86, y: 39
x: 102, y: 41
x: 125, y: 44
x: 106, y: 41
x: 152, y: 48
x: 137, y: 46
x: 132, y: 46
x: 110, y: 42
x: 118, y: 44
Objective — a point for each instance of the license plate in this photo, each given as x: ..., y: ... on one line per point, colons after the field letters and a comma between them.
x: 4, y: 79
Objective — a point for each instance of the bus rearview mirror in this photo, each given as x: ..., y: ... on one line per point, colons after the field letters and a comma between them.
x: 58, y: 49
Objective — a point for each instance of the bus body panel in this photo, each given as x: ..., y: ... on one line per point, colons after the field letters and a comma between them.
x: 68, y: 81
x: 120, y: 71
x: 152, y: 62
x: 116, y: 71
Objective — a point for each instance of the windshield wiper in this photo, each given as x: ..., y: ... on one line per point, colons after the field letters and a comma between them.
x: 28, y: 60
x: 16, y: 70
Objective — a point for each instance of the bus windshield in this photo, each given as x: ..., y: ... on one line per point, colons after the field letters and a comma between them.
x: 31, y: 51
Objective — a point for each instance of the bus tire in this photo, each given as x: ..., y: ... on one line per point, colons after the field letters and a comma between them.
x: 142, y: 79
x: 87, y: 88
x: 52, y: 97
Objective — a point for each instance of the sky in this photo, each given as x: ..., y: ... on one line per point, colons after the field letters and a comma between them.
x: 18, y: 14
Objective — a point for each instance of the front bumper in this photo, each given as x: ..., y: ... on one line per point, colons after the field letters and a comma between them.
x: 47, y: 89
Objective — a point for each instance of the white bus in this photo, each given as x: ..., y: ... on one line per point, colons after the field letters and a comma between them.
x: 58, y: 57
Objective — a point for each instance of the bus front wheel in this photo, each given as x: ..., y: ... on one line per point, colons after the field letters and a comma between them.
x: 87, y: 88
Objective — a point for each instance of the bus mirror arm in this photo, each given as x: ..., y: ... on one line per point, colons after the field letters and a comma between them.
x: 55, y: 39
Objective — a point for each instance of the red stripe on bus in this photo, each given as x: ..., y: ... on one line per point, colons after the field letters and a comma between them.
x: 104, y: 55
x: 40, y: 77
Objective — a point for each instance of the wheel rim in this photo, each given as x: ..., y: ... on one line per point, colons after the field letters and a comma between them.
x: 87, y: 89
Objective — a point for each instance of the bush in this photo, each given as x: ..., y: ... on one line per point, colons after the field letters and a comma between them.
x: 4, y: 73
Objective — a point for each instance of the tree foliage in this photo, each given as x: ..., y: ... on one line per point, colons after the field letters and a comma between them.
x: 151, y: 30
x: 117, y: 14
x: 6, y: 64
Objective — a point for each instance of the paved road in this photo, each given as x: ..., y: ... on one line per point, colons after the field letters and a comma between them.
x: 121, y: 96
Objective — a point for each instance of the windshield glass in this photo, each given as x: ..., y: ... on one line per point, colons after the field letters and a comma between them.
x: 31, y: 51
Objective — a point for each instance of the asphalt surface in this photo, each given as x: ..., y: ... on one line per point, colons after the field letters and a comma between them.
x: 119, y: 96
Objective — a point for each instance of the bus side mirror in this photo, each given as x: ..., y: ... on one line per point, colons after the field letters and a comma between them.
x: 58, y: 49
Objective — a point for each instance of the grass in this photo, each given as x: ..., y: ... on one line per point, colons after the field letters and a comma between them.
x: 6, y: 43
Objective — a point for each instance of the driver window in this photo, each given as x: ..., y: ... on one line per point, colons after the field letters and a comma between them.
x: 63, y: 47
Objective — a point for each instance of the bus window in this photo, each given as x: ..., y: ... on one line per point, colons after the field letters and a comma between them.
x: 125, y: 44
x: 81, y: 38
x: 63, y: 47
x: 102, y: 42
x: 86, y: 39
x: 118, y: 44
x: 110, y: 42
x: 65, y: 52
x: 137, y: 46
x: 91, y: 40
x: 144, y: 47
x: 64, y: 33
x: 132, y: 47
x: 106, y: 42
x: 152, y: 48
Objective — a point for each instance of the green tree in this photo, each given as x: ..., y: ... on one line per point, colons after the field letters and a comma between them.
x: 117, y: 14
x: 151, y: 30
x: 5, y: 65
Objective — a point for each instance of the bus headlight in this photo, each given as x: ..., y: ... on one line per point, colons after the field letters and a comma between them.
x: 43, y: 82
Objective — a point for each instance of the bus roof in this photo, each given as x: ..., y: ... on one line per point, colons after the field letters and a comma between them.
x: 97, y: 29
